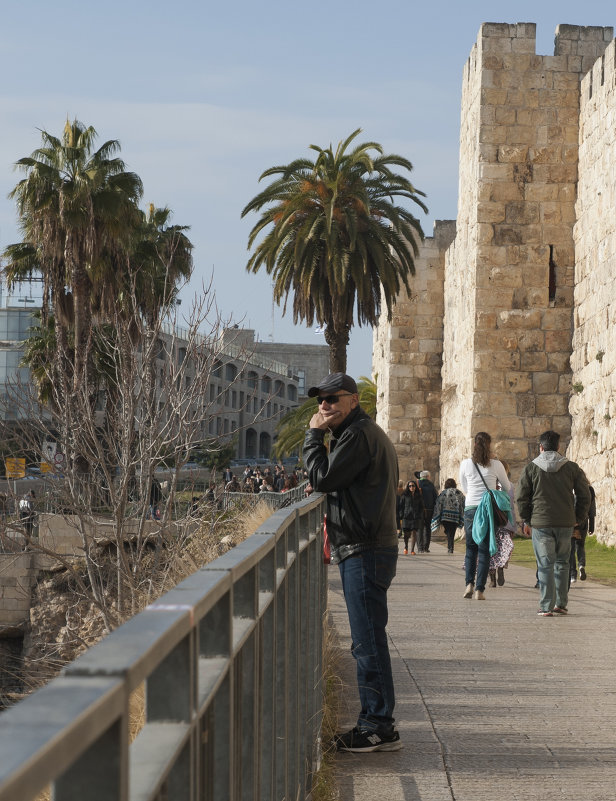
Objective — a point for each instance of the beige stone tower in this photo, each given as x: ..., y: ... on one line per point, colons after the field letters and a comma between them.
x: 510, y: 271
x: 508, y: 293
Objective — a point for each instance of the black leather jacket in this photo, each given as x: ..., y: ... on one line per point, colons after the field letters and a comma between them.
x: 360, y: 476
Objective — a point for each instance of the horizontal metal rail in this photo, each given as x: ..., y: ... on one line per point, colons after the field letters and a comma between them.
x: 275, y: 499
x: 231, y: 659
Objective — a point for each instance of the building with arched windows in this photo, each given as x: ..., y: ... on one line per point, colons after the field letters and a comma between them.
x: 249, y: 388
x: 270, y: 379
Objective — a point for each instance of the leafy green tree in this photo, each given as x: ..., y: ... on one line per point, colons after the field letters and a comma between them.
x: 216, y: 454
x: 291, y: 429
x: 334, y: 238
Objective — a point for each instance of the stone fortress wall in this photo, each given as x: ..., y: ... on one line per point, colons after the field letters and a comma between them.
x: 593, y: 360
x: 407, y: 359
x: 528, y: 292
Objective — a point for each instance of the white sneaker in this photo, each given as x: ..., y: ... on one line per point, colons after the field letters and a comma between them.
x: 468, y: 592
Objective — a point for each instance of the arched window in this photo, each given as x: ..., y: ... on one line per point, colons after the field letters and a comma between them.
x: 265, y: 445
x: 252, y: 379
x: 279, y: 389
x: 266, y: 384
x: 217, y: 369
x: 251, y: 443
x: 230, y: 372
x: 292, y: 392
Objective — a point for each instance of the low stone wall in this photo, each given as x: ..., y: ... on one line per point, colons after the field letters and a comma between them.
x: 17, y: 575
x: 19, y: 569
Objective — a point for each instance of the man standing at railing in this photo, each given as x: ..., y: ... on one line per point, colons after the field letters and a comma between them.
x: 359, y: 475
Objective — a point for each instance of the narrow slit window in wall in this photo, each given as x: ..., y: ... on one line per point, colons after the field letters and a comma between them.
x: 552, y: 276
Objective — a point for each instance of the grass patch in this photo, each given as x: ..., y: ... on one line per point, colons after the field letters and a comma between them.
x: 324, y: 786
x: 600, y: 559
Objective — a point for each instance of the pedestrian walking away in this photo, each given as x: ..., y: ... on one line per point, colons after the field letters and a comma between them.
x: 359, y: 473
x: 578, y: 541
x: 478, y: 477
x: 428, y: 495
x: 552, y: 497
x: 449, y: 512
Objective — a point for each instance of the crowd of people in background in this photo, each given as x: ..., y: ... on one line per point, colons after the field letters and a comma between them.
x: 256, y: 480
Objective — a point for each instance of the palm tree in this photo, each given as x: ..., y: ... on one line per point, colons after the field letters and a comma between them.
x: 76, y: 207
x: 336, y: 239
x: 161, y: 258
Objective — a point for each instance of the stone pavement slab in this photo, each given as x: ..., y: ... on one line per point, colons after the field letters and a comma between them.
x: 492, y: 702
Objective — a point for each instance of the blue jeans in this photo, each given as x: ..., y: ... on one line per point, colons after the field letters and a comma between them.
x: 366, y: 577
x: 477, y: 559
x: 552, y: 547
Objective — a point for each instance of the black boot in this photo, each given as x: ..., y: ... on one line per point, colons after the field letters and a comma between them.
x: 492, y: 578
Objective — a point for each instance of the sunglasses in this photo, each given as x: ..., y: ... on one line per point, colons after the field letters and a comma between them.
x: 331, y: 399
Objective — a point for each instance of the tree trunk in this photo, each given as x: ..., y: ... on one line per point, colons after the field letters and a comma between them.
x: 82, y: 317
x: 338, y: 342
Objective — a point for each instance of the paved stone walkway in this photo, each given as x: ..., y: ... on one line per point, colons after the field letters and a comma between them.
x: 493, y: 702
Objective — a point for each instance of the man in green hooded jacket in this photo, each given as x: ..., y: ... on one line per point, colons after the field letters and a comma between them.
x: 552, y: 496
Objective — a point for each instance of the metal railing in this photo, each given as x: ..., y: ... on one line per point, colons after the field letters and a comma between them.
x: 232, y: 664
x: 276, y: 500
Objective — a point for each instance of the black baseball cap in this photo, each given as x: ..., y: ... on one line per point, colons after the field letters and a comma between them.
x: 332, y: 383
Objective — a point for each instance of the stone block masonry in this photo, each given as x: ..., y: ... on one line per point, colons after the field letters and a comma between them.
x: 509, y: 276
x: 593, y: 361
x: 407, y: 358
x: 529, y: 296
x: 17, y: 576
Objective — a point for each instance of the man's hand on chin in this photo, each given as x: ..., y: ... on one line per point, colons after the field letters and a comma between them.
x: 324, y: 420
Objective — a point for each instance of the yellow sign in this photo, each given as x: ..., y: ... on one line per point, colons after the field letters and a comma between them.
x: 46, y: 467
x: 15, y: 468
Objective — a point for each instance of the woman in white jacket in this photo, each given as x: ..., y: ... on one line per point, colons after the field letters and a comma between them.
x: 482, y: 466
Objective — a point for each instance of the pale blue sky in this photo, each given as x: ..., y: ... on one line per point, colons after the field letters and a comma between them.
x: 203, y: 97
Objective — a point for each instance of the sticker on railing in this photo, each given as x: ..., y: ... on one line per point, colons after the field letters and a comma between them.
x: 155, y: 607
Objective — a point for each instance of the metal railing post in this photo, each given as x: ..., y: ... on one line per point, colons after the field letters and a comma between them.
x: 98, y: 774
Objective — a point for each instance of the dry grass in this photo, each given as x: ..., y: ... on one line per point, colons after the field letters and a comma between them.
x: 211, y: 540
x: 207, y: 543
x: 136, y: 712
x: 214, y: 537
x: 324, y: 787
